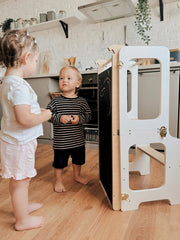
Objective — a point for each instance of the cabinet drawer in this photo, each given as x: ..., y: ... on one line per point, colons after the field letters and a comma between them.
x: 89, y: 79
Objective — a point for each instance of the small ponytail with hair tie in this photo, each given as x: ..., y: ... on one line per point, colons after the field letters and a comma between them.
x: 13, y: 44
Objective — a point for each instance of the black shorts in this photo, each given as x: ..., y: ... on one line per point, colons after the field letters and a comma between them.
x: 61, y: 157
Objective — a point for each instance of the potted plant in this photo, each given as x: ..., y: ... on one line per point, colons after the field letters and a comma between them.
x: 6, y: 25
x: 143, y: 20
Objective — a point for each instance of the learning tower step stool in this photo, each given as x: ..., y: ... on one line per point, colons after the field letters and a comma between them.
x: 119, y: 130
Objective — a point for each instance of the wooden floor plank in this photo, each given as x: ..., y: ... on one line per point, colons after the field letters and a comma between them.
x: 83, y: 212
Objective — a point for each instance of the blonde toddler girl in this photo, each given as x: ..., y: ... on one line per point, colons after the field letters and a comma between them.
x: 20, y: 123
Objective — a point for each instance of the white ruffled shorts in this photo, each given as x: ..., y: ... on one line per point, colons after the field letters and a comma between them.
x: 18, y: 161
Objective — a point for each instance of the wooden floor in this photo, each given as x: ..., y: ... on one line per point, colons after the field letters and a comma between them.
x: 83, y: 212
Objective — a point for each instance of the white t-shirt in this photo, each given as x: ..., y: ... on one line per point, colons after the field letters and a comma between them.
x: 16, y: 91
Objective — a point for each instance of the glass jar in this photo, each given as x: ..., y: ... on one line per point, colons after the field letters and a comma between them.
x: 62, y: 14
x: 79, y: 66
x: 13, y: 25
x: 19, y: 23
x: 43, y: 17
x: 26, y: 23
x: 33, y: 21
x: 51, y: 15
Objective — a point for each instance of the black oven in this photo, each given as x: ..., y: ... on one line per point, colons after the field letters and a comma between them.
x: 90, y: 94
x: 89, y: 91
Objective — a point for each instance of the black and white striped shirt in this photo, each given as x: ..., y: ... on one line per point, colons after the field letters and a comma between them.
x: 69, y: 135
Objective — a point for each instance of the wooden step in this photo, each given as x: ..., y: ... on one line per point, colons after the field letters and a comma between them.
x: 153, y: 153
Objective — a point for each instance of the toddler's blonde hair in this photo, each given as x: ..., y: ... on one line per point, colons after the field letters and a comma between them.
x: 77, y: 72
x: 12, y: 46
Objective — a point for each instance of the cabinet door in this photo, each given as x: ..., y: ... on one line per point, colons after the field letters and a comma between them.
x: 42, y: 87
x: 174, y: 103
x: 149, y: 97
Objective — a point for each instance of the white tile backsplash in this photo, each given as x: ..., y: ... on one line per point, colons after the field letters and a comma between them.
x: 88, y: 41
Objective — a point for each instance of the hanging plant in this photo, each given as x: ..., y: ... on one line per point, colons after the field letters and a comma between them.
x: 6, y: 25
x: 143, y: 20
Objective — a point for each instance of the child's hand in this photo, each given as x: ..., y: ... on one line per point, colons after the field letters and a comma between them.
x: 74, y: 119
x: 47, y: 112
x: 65, y: 119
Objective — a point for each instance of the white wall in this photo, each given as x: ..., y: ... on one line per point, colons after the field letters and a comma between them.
x: 87, y: 41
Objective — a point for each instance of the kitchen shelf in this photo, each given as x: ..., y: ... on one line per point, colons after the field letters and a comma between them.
x: 55, y: 23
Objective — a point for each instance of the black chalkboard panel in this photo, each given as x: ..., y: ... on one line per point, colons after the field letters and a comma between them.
x: 105, y: 130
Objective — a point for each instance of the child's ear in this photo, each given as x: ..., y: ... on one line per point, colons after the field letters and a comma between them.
x: 25, y: 57
x: 78, y: 83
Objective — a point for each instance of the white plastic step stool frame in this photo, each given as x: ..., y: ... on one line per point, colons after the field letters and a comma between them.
x: 143, y: 132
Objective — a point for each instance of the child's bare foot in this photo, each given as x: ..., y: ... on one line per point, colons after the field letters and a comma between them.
x: 81, y: 180
x: 59, y: 187
x: 30, y: 222
x: 33, y: 207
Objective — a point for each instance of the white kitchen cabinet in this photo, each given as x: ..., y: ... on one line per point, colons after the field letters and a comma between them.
x: 42, y: 86
x: 149, y: 97
x: 174, y: 103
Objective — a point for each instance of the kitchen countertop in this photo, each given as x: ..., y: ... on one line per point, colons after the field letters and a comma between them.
x: 56, y: 75
x: 142, y: 68
x: 154, y: 67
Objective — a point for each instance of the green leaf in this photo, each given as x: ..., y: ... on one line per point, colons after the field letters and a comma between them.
x: 143, y: 20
